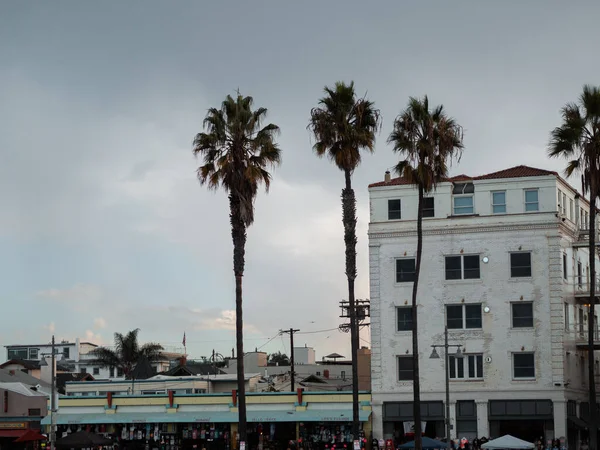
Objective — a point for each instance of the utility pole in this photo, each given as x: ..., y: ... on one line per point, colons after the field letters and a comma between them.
x: 53, y: 401
x: 291, y: 332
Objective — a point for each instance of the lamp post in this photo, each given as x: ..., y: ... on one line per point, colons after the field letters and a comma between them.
x: 435, y: 355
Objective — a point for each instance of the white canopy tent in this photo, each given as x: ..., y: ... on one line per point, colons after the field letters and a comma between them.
x: 508, y: 442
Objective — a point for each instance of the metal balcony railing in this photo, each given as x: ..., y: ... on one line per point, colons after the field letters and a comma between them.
x: 583, y: 236
x: 581, y: 285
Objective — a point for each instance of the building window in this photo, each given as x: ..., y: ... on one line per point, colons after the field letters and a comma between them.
x: 119, y: 372
x: 405, y: 368
x: 394, y: 209
x: 111, y: 372
x: 463, y: 198
x: 462, y: 267
x: 579, y: 274
x: 404, y: 315
x: 428, y: 207
x: 522, y: 315
x: 467, y: 368
x: 318, y: 373
x: 463, y: 205
x: 571, y: 208
x: 561, y: 205
x: 34, y: 412
x: 82, y: 370
x: 199, y: 391
x: 520, y: 264
x: 567, y: 320
x: 17, y: 353
x: 523, y: 365
x: 66, y: 352
x: 499, y: 202
x: 343, y: 374
x: 565, y: 271
x: 96, y: 370
x: 33, y: 353
x: 531, y: 200
x: 405, y: 270
x: 459, y: 317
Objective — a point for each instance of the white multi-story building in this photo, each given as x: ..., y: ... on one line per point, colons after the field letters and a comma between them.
x: 505, y: 269
x: 73, y: 357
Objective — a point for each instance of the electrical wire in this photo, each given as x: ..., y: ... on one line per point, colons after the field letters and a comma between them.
x: 316, y: 331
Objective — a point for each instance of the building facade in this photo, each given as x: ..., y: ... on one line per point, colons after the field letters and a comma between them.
x: 210, y: 421
x: 75, y: 357
x: 504, y: 268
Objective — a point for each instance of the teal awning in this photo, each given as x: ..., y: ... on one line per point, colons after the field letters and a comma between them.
x: 207, y: 417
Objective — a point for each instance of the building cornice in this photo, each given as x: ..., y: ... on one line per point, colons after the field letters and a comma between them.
x: 464, y: 230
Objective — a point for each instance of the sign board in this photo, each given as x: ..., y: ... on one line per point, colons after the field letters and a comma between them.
x: 356, y: 445
x: 12, y: 425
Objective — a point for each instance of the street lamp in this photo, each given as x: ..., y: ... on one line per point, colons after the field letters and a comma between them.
x: 435, y: 355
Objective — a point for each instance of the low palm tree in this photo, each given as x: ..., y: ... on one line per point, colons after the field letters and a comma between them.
x: 342, y: 126
x: 427, y: 141
x: 127, y: 353
x: 578, y: 141
x: 237, y: 151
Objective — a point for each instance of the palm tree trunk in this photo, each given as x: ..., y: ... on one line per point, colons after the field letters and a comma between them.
x: 238, y: 233
x: 349, y: 220
x: 591, y: 319
x: 415, y: 338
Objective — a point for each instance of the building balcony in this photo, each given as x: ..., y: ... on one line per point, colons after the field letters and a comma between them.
x: 583, y: 237
x: 580, y: 336
x: 581, y: 289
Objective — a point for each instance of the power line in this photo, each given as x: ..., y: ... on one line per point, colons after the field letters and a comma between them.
x: 317, y: 331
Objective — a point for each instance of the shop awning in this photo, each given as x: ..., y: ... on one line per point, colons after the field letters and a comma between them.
x: 208, y: 417
x: 12, y: 433
x: 22, y: 435
x: 577, y: 422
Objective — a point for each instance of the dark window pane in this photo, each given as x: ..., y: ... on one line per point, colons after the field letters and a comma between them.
x: 405, y: 368
x: 524, y: 365
x: 466, y: 408
x: 469, y: 188
x: 454, y: 316
x: 460, y: 368
x: 452, y: 366
x: 404, y: 318
x: 428, y: 208
x: 473, y: 316
x: 471, y: 366
x: 405, y: 270
x: 520, y: 264
x: 565, y: 274
x: 471, y: 267
x: 453, y: 268
x: 522, y: 315
x: 394, y: 210
x: 479, y: 366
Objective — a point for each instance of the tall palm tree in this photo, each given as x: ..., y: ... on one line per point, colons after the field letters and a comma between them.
x: 578, y: 141
x: 237, y: 151
x: 127, y: 352
x: 428, y: 141
x: 342, y: 125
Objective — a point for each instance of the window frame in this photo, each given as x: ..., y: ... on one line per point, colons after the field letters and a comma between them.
x: 537, y: 201
x: 95, y: 370
x: 566, y: 312
x: 514, y: 367
x: 432, y: 209
x: 398, y: 370
x: 464, y: 307
x: 512, y: 315
x: 512, y: 269
x: 398, y: 211
x: 579, y: 274
x: 413, y: 273
x: 406, y: 308
x: 455, y: 364
x: 33, y: 353
x: 493, y: 193
x: 565, y: 261
x: 462, y: 267
x: 454, y: 207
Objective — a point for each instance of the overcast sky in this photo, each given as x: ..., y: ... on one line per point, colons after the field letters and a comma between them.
x: 103, y: 225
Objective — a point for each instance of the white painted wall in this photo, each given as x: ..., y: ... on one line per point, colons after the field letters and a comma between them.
x: 494, y: 236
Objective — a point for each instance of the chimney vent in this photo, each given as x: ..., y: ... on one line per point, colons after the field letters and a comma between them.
x: 387, y: 177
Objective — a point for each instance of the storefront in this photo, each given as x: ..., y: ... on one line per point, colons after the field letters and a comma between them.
x: 209, y: 421
x: 398, y: 421
x: 17, y: 434
x: 529, y: 420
